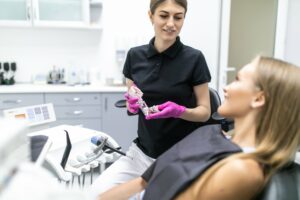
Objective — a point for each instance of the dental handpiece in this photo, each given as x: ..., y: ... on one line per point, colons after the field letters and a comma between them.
x: 102, y: 144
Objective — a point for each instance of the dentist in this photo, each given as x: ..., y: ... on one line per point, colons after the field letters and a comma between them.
x: 171, y: 75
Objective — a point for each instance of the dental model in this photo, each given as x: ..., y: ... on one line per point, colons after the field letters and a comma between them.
x: 136, y: 92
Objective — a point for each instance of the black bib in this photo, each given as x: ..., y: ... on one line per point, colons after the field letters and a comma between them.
x: 178, y: 167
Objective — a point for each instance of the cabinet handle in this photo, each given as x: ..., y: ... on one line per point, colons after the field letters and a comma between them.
x: 77, y: 112
x: 12, y: 101
x: 75, y: 99
x: 105, y: 104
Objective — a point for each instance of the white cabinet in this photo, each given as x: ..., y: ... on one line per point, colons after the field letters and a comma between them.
x: 83, y: 109
x: 94, y: 110
x: 58, y: 13
x: 51, y: 13
x: 94, y: 13
x: 15, y: 12
x: 8, y: 101
x: 116, y: 122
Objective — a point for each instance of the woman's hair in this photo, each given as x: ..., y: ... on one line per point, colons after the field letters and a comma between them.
x: 155, y: 3
x: 278, y: 122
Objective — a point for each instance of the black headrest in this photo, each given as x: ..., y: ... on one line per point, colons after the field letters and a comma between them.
x: 215, y: 100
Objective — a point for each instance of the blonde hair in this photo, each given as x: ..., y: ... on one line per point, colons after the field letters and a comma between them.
x: 278, y: 123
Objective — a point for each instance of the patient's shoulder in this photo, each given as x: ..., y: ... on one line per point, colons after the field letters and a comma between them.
x: 236, y: 179
x: 240, y: 178
x: 248, y: 170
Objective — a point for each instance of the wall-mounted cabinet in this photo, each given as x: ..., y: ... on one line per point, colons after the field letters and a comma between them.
x: 15, y: 12
x: 51, y: 13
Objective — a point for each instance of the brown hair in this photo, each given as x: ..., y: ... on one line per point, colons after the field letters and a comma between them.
x: 155, y: 3
x: 277, y: 125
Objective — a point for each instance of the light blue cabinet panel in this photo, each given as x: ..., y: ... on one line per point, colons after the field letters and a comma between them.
x: 116, y: 122
x: 72, y: 99
x: 20, y: 100
x: 76, y: 112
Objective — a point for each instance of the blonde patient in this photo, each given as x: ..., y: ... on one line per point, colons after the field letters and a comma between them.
x: 264, y: 103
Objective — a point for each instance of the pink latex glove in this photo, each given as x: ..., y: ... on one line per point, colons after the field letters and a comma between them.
x: 167, y: 110
x: 133, y: 106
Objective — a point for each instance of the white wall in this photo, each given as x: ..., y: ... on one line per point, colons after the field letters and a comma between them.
x: 125, y: 24
x: 292, y: 42
x: 202, y: 31
x: 128, y: 21
x: 36, y: 50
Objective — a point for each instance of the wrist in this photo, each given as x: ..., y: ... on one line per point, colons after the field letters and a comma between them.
x: 181, y: 111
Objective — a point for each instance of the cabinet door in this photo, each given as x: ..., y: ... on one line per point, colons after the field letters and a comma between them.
x: 59, y: 12
x: 9, y: 101
x: 82, y: 109
x: 73, y: 99
x: 15, y: 12
x: 77, y: 112
x: 116, y: 122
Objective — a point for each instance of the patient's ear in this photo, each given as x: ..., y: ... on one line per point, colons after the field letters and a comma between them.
x: 259, y: 100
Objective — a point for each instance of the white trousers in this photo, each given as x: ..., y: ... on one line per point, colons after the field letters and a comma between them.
x: 124, y: 169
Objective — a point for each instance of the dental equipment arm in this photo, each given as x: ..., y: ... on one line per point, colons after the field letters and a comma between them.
x: 98, y: 141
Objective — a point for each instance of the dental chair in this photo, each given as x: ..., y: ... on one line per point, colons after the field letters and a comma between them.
x: 284, y: 185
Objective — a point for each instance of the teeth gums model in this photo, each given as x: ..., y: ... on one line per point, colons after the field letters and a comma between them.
x: 136, y: 92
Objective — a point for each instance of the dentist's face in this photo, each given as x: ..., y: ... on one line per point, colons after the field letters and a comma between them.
x: 167, y: 20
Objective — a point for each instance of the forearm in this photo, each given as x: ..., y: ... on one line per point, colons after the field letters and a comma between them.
x: 201, y: 113
x: 125, y: 190
x: 198, y: 114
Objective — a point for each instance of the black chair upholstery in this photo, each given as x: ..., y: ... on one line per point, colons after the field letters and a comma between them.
x: 215, y: 100
x: 215, y: 118
x: 284, y: 185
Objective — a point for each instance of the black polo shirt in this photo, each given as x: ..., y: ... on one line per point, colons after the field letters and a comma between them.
x: 166, y: 76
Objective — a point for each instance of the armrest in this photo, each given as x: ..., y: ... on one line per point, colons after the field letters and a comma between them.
x: 122, y: 104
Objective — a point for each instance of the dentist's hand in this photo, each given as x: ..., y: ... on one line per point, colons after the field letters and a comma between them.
x: 167, y: 110
x: 133, y: 106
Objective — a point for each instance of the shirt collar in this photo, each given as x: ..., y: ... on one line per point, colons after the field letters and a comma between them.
x: 171, y: 51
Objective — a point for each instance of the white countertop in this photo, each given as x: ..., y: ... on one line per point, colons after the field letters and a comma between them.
x: 35, y: 88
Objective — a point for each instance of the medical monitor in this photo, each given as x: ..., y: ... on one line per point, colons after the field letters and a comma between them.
x: 33, y: 115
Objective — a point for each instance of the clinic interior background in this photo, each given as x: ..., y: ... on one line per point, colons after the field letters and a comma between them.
x: 126, y: 24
